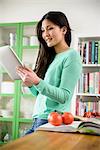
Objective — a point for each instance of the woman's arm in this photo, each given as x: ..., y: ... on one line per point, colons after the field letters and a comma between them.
x: 70, y: 75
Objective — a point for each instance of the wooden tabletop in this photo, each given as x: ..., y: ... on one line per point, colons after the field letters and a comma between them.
x: 44, y: 140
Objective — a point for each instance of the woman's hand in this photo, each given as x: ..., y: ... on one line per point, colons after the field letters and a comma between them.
x: 28, y: 76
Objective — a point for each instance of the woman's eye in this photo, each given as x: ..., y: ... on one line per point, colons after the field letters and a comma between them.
x: 42, y: 30
x: 50, y: 28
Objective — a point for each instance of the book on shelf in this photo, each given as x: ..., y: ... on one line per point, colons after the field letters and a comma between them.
x: 84, y: 105
x: 84, y: 125
x: 90, y: 51
x: 89, y: 83
x: 96, y: 52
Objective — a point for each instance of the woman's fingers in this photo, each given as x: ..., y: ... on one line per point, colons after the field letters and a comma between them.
x: 24, y: 69
x: 28, y: 69
x: 21, y: 70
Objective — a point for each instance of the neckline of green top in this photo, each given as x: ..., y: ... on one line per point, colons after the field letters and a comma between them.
x: 61, y: 53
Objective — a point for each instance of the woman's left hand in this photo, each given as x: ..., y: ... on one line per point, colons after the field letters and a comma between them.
x: 28, y: 76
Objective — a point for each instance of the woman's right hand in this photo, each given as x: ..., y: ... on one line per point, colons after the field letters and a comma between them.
x: 28, y: 76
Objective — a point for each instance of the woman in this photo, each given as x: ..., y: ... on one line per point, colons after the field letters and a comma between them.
x: 57, y: 69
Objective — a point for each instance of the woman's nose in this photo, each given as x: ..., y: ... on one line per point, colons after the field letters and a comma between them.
x: 46, y: 33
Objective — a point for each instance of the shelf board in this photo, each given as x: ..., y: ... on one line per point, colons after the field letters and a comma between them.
x: 27, y: 95
x: 89, y: 97
x: 6, y: 119
x: 31, y: 47
x: 88, y: 94
x: 29, y: 23
x: 91, y: 65
x: 7, y: 95
x: 95, y: 38
x: 25, y: 120
x: 87, y: 68
x: 20, y: 119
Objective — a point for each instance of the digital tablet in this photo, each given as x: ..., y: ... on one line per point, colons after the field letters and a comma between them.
x: 9, y: 60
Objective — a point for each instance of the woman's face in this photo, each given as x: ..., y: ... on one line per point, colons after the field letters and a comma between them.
x: 52, y: 34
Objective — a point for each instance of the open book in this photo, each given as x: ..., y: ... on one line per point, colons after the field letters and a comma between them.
x: 91, y: 126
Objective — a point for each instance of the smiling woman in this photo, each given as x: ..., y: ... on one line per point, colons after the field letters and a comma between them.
x: 57, y: 70
x: 54, y: 35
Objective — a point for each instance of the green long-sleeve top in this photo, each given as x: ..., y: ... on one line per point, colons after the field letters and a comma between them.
x: 55, y: 92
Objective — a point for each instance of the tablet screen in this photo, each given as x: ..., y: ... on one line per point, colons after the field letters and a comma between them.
x: 9, y: 60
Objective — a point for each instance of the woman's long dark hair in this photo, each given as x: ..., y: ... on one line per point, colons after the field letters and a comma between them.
x: 46, y: 54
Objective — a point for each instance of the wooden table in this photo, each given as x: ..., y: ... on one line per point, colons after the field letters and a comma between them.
x: 43, y: 140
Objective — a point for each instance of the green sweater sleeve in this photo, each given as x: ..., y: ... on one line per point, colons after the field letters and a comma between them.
x: 69, y: 77
x: 33, y: 90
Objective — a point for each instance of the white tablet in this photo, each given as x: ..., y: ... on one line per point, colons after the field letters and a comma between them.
x: 9, y: 60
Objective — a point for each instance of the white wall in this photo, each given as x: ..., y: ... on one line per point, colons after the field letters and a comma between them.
x: 83, y: 15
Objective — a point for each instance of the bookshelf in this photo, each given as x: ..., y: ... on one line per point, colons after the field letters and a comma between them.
x: 16, y: 101
x: 88, y: 87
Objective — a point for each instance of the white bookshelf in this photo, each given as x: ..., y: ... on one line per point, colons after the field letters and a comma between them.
x: 88, y: 68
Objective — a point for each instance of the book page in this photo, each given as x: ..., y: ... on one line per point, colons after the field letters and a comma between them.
x: 94, y: 120
x: 77, y: 126
x: 90, y: 130
x: 62, y: 128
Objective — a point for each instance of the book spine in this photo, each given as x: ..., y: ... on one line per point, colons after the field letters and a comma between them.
x: 96, y: 52
x: 91, y: 83
x: 99, y: 82
x: 87, y: 52
x: 84, y: 53
x: 90, y: 52
x: 96, y: 82
x: 93, y: 52
x: 77, y: 106
x: 81, y: 108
